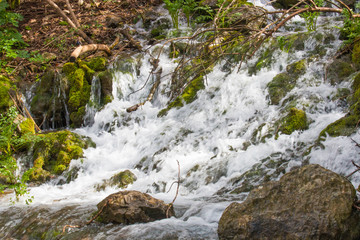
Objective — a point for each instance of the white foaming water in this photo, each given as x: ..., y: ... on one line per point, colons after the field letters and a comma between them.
x: 207, y: 137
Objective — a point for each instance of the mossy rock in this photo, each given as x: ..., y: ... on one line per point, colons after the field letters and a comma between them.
x: 54, y: 152
x: 348, y: 124
x: 188, y: 96
x: 6, y: 87
x: 120, y: 180
x: 344, y: 126
x: 98, y: 64
x: 296, y: 69
x: 284, y: 82
x: 295, y: 120
x: 279, y: 87
x: 106, y: 86
x: 339, y: 70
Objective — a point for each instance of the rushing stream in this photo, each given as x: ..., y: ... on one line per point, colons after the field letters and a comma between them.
x: 212, y: 138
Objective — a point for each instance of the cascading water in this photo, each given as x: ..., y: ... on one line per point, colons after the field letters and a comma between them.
x: 216, y: 139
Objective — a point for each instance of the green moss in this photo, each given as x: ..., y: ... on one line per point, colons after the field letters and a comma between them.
x: 296, y: 69
x: 120, y: 180
x: 6, y: 86
x: 27, y: 126
x: 345, y: 126
x: 355, y: 56
x: 285, y: 82
x: 123, y: 179
x: 98, y: 64
x: 279, y: 87
x: 106, y: 87
x: 189, y: 94
x: 295, y: 120
x: 69, y: 68
x: 53, y: 154
x: 89, y: 73
x: 77, y: 117
x: 339, y: 70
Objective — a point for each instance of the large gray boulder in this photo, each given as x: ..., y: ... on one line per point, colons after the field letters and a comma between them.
x: 308, y: 203
x: 128, y: 207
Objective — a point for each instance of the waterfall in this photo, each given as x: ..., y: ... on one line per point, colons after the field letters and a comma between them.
x: 217, y: 139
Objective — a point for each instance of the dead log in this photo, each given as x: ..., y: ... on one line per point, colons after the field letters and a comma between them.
x: 87, y: 48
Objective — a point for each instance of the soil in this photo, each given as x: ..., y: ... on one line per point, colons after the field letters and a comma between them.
x: 48, y: 34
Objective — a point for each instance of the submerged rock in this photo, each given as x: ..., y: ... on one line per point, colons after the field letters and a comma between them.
x: 308, y: 203
x: 128, y: 207
x: 348, y: 124
x: 284, y: 82
x: 295, y: 120
x: 120, y: 180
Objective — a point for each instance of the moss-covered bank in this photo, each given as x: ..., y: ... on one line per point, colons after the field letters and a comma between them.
x: 54, y: 152
x: 58, y: 95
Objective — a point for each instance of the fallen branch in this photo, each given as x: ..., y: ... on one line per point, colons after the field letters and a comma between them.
x: 125, y: 32
x: 87, y: 48
x: 151, y: 94
x: 69, y: 21
x: 177, y: 190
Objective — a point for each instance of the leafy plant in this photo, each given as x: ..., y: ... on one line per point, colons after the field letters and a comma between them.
x: 188, y: 7
x: 11, y: 41
x: 174, y: 9
x: 176, y: 6
x: 311, y: 17
x: 10, y: 142
x: 351, y: 28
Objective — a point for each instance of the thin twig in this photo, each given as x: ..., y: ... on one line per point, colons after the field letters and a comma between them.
x: 177, y: 191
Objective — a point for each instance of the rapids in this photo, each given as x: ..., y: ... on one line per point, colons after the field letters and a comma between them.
x: 212, y: 138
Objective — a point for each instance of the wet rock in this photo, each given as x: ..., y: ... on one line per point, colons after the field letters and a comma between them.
x: 308, y: 203
x: 295, y: 120
x: 188, y: 95
x: 339, y: 70
x: 128, y: 207
x: 348, y: 124
x: 284, y: 82
x: 120, y: 180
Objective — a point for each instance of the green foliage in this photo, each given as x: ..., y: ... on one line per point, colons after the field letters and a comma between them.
x: 188, y: 7
x: 174, y: 9
x: 11, y: 41
x: 351, y: 28
x: 10, y: 143
x: 311, y: 17
x: 205, y: 13
x: 175, y: 6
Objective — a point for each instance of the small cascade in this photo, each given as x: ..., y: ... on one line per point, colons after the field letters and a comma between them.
x: 94, y: 103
